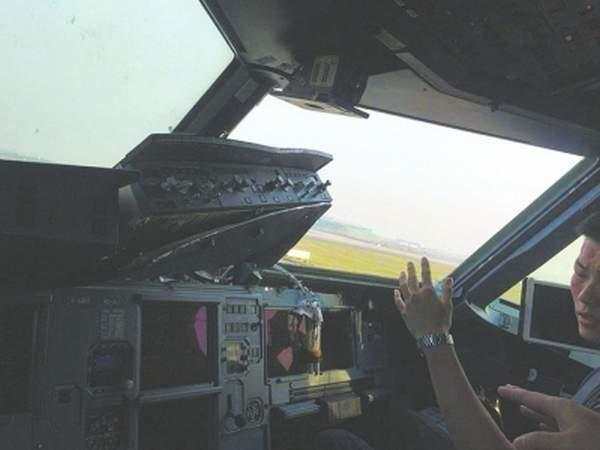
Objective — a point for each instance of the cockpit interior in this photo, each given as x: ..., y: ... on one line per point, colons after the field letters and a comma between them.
x: 173, y: 272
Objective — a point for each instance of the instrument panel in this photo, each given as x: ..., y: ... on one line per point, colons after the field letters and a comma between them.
x: 145, y: 367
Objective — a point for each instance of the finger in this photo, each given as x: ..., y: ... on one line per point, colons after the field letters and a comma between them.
x: 413, y: 284
x: 403, y: 286
x: 399, y: 302
x: 447, y: 290
x: 544, y: 404
x: 538, y: 440
x: 426, y: 272
x: 549, y: 422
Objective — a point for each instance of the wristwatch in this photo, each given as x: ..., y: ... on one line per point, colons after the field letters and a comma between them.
x: 434, y: 340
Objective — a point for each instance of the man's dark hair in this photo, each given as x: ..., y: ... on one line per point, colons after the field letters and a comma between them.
x: 590, y: 227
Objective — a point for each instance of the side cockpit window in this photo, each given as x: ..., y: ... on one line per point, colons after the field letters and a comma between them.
x: 83, y: 82
x: 558, y: 269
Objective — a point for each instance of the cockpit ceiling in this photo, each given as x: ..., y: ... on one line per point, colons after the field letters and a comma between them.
x: 535, y: 64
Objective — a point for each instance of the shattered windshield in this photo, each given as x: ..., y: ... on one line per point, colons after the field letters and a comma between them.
x: 83, y: 82
x: 403, y: 188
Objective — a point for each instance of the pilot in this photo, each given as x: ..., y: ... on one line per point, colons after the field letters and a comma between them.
x: 429, y: 319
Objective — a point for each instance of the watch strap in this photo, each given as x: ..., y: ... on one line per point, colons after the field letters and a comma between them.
x: 428, y: 341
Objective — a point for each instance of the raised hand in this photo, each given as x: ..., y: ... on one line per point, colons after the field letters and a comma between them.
x: 421, y: 308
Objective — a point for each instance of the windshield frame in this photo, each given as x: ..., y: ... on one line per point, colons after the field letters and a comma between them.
x: 532, y: 238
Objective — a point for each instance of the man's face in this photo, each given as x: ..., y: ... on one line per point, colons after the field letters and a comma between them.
x: 585, y: 289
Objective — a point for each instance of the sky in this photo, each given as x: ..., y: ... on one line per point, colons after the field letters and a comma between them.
x: 444, y: 188
x: 84, y: 81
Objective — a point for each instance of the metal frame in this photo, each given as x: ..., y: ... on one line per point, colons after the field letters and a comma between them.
x: 532, y: 238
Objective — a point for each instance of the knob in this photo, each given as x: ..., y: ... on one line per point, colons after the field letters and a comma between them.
x: 227, y: 186
x: 240, y: 183
x: 240, y: 421
x: 128, y: 384
x: 254, y: 185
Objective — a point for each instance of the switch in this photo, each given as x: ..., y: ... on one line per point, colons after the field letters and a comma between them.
x: 286, y: 183
x: 254, y: 185
x: 320, y: 188
x: 236, y: 184
x: 281, y: 182
x: 271, y: 185
x: 228, y: 186
x: 324, y: 186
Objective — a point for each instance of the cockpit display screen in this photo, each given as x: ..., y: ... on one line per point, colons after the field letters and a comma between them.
x: 175, y: 347
x: 285, y: 334
x: 287, y: 352
x: 338, y: 339
x: 550, y: 318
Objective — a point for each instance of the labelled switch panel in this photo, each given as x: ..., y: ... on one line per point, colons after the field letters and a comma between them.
x: 190, y: 184
x: 95, y: 336
x: 182, y: 174
x: 242, y: 345
x: 242, y: 366
x: 168, y: 188
x: 237, y: 356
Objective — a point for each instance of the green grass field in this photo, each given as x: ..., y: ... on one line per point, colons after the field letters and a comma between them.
x: 327, y: 254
